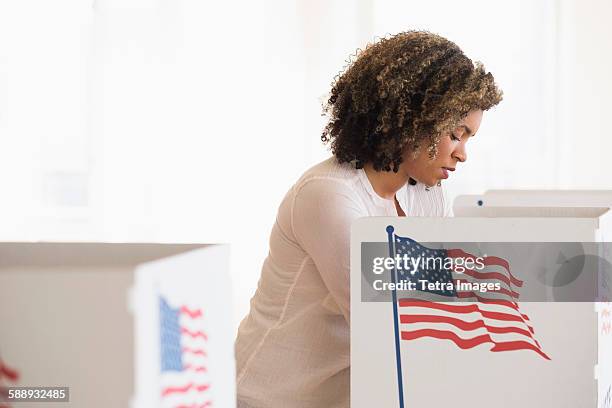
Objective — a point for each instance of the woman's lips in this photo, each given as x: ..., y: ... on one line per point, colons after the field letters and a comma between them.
x: 445, y: 171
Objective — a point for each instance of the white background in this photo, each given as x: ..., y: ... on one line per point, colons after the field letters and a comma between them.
x: 187, y: 121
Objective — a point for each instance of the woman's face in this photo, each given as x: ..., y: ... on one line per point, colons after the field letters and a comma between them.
x: 451, y: 150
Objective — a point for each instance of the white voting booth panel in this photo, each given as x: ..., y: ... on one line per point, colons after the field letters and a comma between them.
x: 98, y: 318
x: 463, y: 205
x: 560, y: 203
x: 437, y: 373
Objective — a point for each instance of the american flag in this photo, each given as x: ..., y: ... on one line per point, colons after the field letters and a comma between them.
x: 184, y: 380
x: 493, y: 317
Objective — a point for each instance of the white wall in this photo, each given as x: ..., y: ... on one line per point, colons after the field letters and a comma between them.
x: 188, y: 121
x: 585, y: 64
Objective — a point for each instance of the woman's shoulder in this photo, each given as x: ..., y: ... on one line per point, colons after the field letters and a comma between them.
x: 327, y: 189
x: 329, y: 172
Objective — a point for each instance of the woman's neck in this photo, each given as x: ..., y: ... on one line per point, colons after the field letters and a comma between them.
x: 385, y: 183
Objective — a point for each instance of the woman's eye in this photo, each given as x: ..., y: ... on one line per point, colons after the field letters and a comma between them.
x: 454, y: 138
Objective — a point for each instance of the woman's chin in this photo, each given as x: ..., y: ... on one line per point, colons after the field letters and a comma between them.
x: 432, y: 182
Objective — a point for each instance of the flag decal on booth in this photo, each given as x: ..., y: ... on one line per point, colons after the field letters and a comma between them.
x: 473, y: 319
x: 184, y: 373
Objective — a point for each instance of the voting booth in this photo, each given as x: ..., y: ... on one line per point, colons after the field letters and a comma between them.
x: 121, y: 325
x: 467, y: 204
x: 498, y: 203
x: 544, y: 352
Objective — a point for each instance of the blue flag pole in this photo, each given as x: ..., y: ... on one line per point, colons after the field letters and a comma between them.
x: 398, y: 357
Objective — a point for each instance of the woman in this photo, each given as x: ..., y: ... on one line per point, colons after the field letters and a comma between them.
x: 400, y: 117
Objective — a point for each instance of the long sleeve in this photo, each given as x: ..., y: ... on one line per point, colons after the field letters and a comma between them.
x: 322, y: 214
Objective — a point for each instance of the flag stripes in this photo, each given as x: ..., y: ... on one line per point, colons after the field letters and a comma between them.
x: 478, y: 317
x: 184, y: 380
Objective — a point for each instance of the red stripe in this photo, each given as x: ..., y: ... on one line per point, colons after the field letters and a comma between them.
x: 464, y: 309
x: 200, y: 369
x: 446, y: 335
x: 488, y: 261
x: 498, y: 302
x: 8, y: 372
x: 511, y: 305
x: 193, y: 313
x: 518, y: 345
x: 196, y: 352
x: 202, y: 388
x: 471, y: 308
x: 463, y: 325
x: 194, y: 334
x: 204, y: 405
x: 184, y: 389
x: 473, y: 342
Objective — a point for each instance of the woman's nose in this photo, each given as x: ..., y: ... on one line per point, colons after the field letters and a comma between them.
x: 460, y: 155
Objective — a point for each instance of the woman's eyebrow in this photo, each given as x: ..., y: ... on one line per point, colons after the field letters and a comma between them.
x: 468, y: 130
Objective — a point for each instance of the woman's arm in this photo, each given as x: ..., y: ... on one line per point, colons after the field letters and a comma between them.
x: 322, y: 213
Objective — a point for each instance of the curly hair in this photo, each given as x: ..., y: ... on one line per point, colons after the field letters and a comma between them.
x: 399, y: 93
